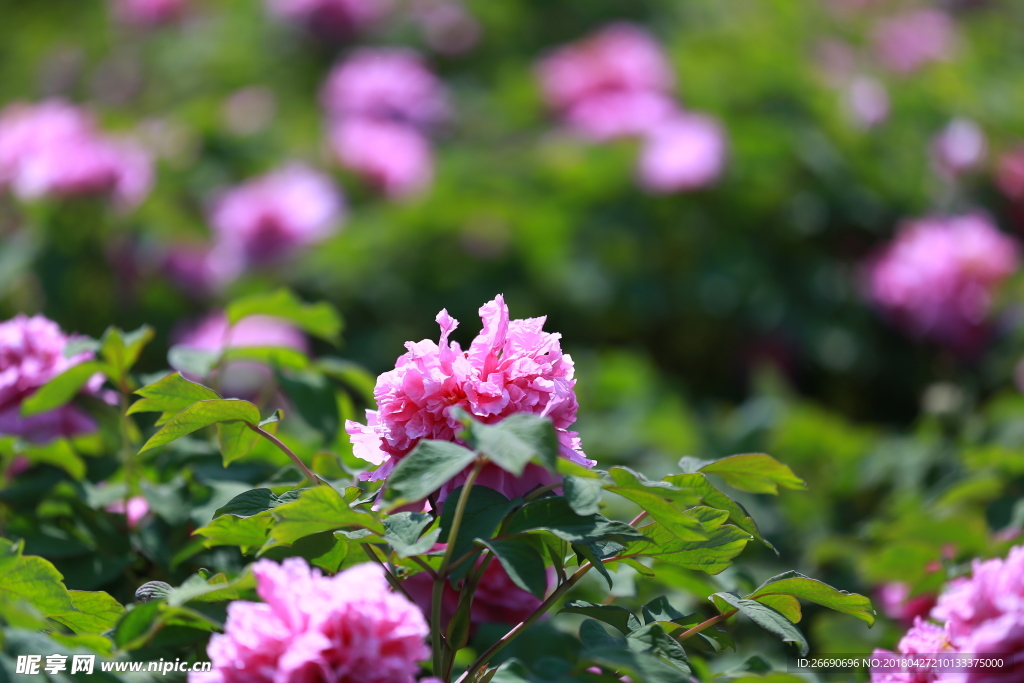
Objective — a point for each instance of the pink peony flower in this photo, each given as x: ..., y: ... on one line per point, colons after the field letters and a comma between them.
x: 136, y: 509
x: 271, y: 217
x: 959, y: 148
x: 330, y: 18
x: 54, y: 149
x: 867, y: 101
x: 685, y: 153
x: 149, y: 12
x: 388, y: 85
x: 906, y: 42
x: 31, y: 354
x: 347, y: 628
x: 924, y: 638
x: 896, y: 602
x: 938, y: 276
x: 512, y: 366
x: 394, y: 158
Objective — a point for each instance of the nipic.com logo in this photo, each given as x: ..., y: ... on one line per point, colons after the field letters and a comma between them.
x: 86, y: 664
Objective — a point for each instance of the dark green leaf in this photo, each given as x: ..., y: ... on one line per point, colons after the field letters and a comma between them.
x: 320, y: 319
x: 554, y: 514
x: 523, y: 564
x: 584, y: 495
x: 429, y: 466
x: 764, y: 616
x: 661, y: 500
x: 653, y: 640
x: 402, y: 532
x: 485, y: 509
x: 203, y: 414
x: 659, y: 609
x: 254, y: 502
x: 619, y: 617
x: 61, y: 389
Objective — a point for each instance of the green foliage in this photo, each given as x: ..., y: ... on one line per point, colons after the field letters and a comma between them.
x: 425, y: 469
x: 515, y: 441
x: 319, y: 319
x: 764, y: 616
x: 169, y: 396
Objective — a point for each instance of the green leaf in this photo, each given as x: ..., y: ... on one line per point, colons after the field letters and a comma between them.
x: 523, y: 564
x: 244, y: 532
x: 786, y: 605
x: 58, y: 453
x: 516, y: 441
x: 428, y: 467
x: 652, y: 639
x: 61, y: 389
x: 274, y: 356
x: 203, y: 414
x: 712, y: 497
x: 764, y: 616
x: 812, y: 590
x: 121, y: 350
x: 711, y: 556
x: 554, y: 514
x: 584, y: 495
x: 236, y: 440
x: 659, y: 609
x: 589, y: 553
x: 198, y: 362
x: 755, y: 473
x: 170, y: 395
x: 639, y: 666
x: 485, y: 509
x: 314, y: 400
x: 320, y: 319
x: 402, y: 532
x: 254, y: 502
x: 94, y: 612
x: 317, y: 509
x: 618, y: 617
x: 661, y: 501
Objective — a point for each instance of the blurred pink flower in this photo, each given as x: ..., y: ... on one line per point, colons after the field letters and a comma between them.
x: 923, y: 638
x: 1010, y: 174
x: 135, y: 511
x: 330, y: 18
x: 620, y: 114
x: 269, y: 218
x: 896, y: 603
x: 54, y: 149
x: 349, y: 627
x: 446, y: 25
x: 149, y: 12
x: 512, y: 366
x: 907, y: 41
x: 867, y: 101
x: 685, y: 153
x: 394, y: 158
x: 31, y: 354
x: 960, y: 147
x: 938, y: 277
x: 388, y: 85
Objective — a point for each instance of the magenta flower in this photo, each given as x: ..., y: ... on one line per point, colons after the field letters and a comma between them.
x: 31, y: 354
x: 938, y: 277
x: 906, y: 42
x: 512, y: 366
x: 135, y: 511
x: 269, y: 218
x: 924, y: 638
x: 960, y: 147
x: 896, y: 602
x: 345, y: 628
x: 616, y: 82
x: 330, y: 18
x: 149, y: 12
x: 54, y: 149
x: 395, y: 159
x: 685, y: 153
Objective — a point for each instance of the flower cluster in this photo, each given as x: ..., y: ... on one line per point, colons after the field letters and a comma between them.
x: 345, y: 628
x: 330, y: 18
x: 980, y: 615
x: 54, y: 149
x: 31, y: 354
x: 512, y: 366
x: 937, y: 278
x: 149, y: 12
x: 617, y: 83
x: 381, y: 104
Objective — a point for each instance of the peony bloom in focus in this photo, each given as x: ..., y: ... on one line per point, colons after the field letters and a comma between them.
x: 349, y: 628
x: 906, y: 42
x: 960, y: 147
x: 394, y: 158
x: 149, y: 12
x: 54, y: 149
x: 330, y: 18
x: 512, y: 366
x: 31, y: 354
x: 938, y: 277
x: 616, y: 82
x: 685, y: 153
x: 271, y: 217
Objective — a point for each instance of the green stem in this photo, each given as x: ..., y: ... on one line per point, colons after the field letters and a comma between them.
x: 705, y: 624
x: 287, y: 451
x: 437, y: 596
x: 537, y: 493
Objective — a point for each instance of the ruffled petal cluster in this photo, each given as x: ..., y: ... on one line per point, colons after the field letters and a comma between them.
x: 938, y: 277
x: 349, y: 628
x: 31, y: 354
x: 618, y: 83
x: 513, y: 366
x: 54, y: 149
x: 381, y: 106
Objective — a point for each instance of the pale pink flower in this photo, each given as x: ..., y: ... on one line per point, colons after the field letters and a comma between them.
x: 906, y: 42
x: 136, y: 509
x: 31, y: 354
x: 960, y: 147
x: 512, y: 366
x: 149, y: 12
x: 685, y: 153
x: 349, y: 628
x: 388, y: 85
x: 394, y: 158
x: 330, y: 18
x: 867, y: 100
x: 938, y: 277
x: 54, y: 149
x: 271, y: 217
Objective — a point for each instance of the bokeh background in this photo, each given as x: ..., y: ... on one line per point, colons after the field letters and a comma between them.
x: 747, y: 298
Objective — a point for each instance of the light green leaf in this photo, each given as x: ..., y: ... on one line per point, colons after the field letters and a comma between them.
x: 274, y: 356
x: 755, y: 473
x: 198, y: 362
x: 724, y: 542
x: 244, y: 532
x: 170, y: 395
x: 203, y: 414
x: 320, y: 319
x: 516, y: 441
x: 712, y: 497
x: 812, y: 590
x: 661, y: 500
x: 61, y: 389
x: 121, y: 350
x: 58, y: 453
x: 317, y: 509
x: 94, y: 612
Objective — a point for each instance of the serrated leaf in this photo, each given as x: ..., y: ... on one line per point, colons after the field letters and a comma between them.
x: 428, y: 467
x: 554, y: 514
x: 516, y: 441
x: 320, y: 319
x: 523, y: 564
x: 169, y: 396
x: 61, y: 389
x: 764, y: 616
x: 94, y: 612
x: 755, y: 473
x: 203, y: 414
x: 317, y: 509
x: 613, y: 615
x: 812, y: 590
